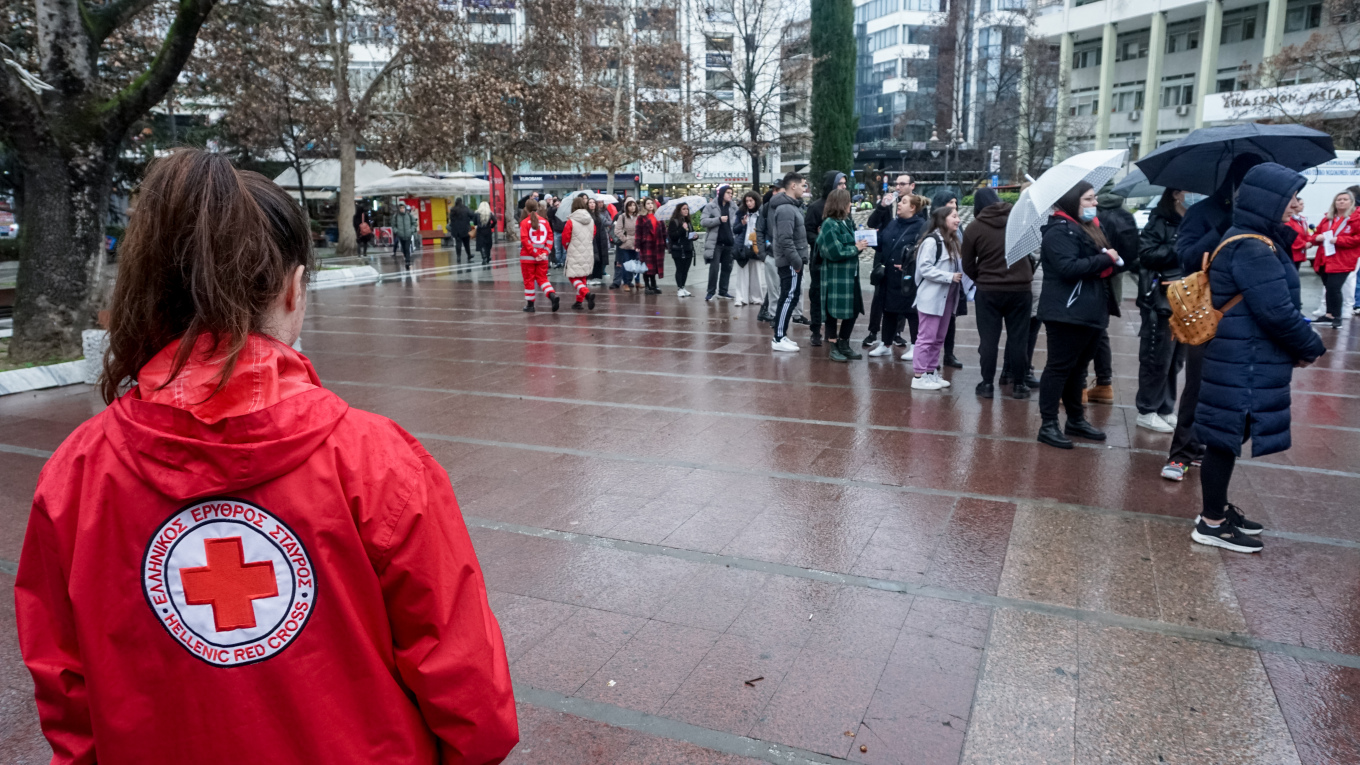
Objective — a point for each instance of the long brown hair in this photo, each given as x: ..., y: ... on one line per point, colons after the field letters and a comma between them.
x: 939, y: 218
x: 531, y: 207
x: 837, y: 205
x: 207, y: 252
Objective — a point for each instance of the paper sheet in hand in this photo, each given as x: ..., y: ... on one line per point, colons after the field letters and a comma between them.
x: 694, y: 235
x: 868, y: 236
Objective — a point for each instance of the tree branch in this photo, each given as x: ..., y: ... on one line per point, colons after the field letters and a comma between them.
x: 147, y: 90
x: 397, y: 61
x: 102, y: 21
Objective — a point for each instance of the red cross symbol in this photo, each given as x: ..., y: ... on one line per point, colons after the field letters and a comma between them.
x: 229, y: 584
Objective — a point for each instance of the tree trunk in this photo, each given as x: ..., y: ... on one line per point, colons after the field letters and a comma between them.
x: 755, y: 170
x: 508, y: 172
x: 609, y: 180
x: 346, y: 245
x: 61, y: 263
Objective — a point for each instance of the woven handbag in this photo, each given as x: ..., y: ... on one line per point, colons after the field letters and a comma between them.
x: 1194, y: 320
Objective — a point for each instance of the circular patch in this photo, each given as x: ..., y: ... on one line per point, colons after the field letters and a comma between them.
x: 229, y: 581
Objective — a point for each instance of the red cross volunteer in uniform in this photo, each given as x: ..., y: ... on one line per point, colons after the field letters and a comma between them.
x: 229, y: 564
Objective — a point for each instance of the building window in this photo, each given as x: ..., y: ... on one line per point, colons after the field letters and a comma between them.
x: 1178, y: 94
x: 919, y: 34
x: 1084, y: 104
x: 1084, y: 58
x: 884, y: 38
x: 1131, y: 49
x: 1238, y: 27
x: 1302, y: 14
x: 876, y: 9
x: 1128, y: 101
x: 930, y: 6
x: 1233, y: 78
x: 719, y: 119
x: 1182, y: 41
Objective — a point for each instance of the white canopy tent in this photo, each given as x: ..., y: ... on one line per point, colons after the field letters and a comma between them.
x: 412, y: 183
x: 322, y: 176
x: 471, y: 183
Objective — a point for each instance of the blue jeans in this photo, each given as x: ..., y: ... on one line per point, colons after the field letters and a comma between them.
x: 559, y: 255
x: 621, y: 274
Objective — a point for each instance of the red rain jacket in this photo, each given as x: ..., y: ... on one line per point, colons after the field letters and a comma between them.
x: 1302, y: 239
x: 1347, y: 245
x: 269, y: 576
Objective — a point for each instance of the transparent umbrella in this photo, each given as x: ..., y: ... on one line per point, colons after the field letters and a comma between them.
x: 1036, y: 202
x: 668, y: 209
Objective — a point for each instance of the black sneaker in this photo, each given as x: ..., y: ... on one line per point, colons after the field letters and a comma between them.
x: 900, y: 342
x: 816, y: 341
x: 1225, y: 535
x: 801, y: 320
x: 1239, y: 521
x: 590, y: 300
x: 870, y: 340
x: 985, y: 389
x: 578, y: 306
x: 556, y: 301
x: 529, y: 307
x: 1020, y: 391
x: 952, y: 361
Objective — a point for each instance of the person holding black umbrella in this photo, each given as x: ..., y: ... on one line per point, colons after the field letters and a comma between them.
x: 1249, y: 363
x: 1201, y: 230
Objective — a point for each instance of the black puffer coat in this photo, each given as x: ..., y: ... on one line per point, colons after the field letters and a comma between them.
x: 1158, y: 262
x: 897, y: 254
x: 1076, y: 286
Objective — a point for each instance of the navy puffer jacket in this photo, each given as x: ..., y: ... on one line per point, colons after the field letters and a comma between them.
x: 1250, y: 362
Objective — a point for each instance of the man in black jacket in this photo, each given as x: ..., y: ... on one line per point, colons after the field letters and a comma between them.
x: 1122, y: 231
x: 459, y: 225
x: 812, y: 220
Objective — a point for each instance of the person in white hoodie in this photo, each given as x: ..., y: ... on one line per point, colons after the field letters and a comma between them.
x: 939, y: 274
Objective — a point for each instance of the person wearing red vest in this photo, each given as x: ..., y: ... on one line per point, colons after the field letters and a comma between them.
x: 229, y: 564
x: 1338, y: 249
x: 1303, y: 233
x: 535, y: 246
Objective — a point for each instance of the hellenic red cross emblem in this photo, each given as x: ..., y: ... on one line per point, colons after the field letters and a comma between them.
x: 229, y: 584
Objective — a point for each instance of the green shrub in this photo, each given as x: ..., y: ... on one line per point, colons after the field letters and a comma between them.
x: 9, y: 248
x: 1006, y: 196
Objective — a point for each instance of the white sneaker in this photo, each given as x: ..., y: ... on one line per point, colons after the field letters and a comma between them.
x: 1152, y: 421
x: 943, y: 382
x: 1169, y: 419
x: 925, y: 382
x: 786, y: 345
x: 881, y: 349
x: 739, y: 301
x: 1320, y: 312
x: 911, y: 352
x: 682, y: 292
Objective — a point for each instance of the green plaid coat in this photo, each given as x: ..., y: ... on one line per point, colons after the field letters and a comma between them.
x: 841, y: 296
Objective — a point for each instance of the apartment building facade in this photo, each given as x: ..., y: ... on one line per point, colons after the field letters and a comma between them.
x: 1140, y: 74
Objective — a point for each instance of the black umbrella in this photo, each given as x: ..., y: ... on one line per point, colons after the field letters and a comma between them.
x: 1135, y: 184
x: 1200, y: 161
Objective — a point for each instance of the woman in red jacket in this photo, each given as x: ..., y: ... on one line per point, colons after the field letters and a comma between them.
x: 1338, y: 241
x: 229, y: 564
x: 1303, y: 233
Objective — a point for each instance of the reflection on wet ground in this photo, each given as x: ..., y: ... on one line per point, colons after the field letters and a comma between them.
x: 665, y: 510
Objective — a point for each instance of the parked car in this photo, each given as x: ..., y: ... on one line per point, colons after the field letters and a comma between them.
x: 8, y: 226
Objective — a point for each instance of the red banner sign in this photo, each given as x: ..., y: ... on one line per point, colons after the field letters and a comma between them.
x: 497, y: 178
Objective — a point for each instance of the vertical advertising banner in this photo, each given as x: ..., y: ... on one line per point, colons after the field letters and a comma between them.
x: 497, y: 179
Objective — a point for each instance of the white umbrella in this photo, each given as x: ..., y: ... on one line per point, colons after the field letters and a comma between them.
x: 564, y: 209
x: 410, y: 183
x: 668, y: 209
x: 470, y: 183
x: 1036, y: 202
x: 608, y: 199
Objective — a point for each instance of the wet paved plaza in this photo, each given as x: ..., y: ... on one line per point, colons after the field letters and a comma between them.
x: 703, y: 552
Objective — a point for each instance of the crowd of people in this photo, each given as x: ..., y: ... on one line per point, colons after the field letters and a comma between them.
x: 927, y: 269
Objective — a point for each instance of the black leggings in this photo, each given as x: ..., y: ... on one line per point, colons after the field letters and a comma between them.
x: 682, y: 264
x: 1214, y: 476
x: 847, y: 328
x: 649, y: 280
x: 1333, y: 284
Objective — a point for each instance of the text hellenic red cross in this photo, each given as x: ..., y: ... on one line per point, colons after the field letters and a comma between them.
x: 228, y: 584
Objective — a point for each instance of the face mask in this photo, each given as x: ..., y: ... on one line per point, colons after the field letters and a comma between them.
x: 1088, y: 214
x: 1192, y: 199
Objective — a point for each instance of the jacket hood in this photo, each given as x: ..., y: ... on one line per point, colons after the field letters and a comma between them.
x: 582, y: 217
x: 717, y: 195
x: 268, y: 419
x: 779, y: 200
x: 941, y: 198
x: 994, y: 215
x: 984, y: 198
x: 1263, y: 196
x: 829, y: 181
x: 1109, y: 201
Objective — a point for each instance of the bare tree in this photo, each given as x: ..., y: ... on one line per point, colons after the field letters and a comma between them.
x: 740, y: 101
x: 75, y: 76
x: 1316, y: 83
